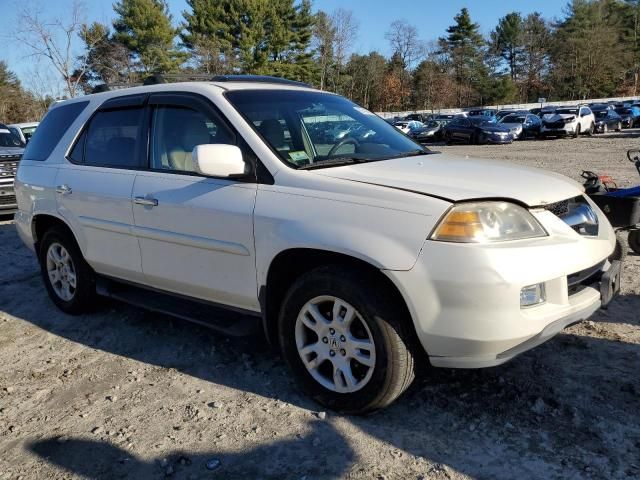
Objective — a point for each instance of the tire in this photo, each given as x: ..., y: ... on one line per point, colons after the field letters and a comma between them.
x: 620, y: 252
x: 376, y: 318
x: 619, y: 127
x: 577, y: 134
x: 605, y: 128
x: 81, y: 297
x: 634, y: 241
x: 591, y: 130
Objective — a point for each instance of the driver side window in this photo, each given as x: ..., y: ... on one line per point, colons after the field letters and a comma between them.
x: 176, y: 130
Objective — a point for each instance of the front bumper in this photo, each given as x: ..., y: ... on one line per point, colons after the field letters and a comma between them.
x: 567, y: 129
x: 465, y: 298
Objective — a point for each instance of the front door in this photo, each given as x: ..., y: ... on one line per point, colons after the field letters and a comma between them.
x: 195, y: 232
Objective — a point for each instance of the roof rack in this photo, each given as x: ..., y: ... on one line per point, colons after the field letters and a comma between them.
x: 198, y: 77
x: 258, y: 79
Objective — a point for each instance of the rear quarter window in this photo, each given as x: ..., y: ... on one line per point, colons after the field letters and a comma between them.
x: 54, y: 125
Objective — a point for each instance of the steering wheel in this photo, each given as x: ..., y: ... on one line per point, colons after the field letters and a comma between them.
x: 341, y: 143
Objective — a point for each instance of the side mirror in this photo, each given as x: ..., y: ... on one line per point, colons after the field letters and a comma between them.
x: 213, y: 160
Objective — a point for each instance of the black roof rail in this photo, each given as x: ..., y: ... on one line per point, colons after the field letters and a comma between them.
x: 258, y: 79
x: 198, y: 77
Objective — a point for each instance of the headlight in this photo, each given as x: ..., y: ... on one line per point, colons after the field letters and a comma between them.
x: 483, y: 222
x: 570, y: 120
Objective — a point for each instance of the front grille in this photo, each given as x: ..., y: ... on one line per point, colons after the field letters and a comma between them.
x: 558, y: 208
x: 554, y: 124
x: 8, y: 200
x: 8, y: 166
x: 576, y: 282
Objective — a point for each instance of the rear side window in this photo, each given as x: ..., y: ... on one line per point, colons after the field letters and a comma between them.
x: 54, y: 125
x: 114, y: 139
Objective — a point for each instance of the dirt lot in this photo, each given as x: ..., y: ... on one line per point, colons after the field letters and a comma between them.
x: 124, y: 393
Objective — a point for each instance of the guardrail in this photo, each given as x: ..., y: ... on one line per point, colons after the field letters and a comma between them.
x: 515, y: 106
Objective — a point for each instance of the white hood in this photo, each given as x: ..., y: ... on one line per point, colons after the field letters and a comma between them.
x: 560, y: 116
x: 459, y: 178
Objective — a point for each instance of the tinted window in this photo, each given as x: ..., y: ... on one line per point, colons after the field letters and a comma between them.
x: 175, y: 131
x: 112, y: 138
x: 9, y: 139
x: 54, y: 125
x: 77, y: 153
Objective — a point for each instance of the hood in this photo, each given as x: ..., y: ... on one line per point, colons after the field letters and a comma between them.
x: 493, y: 128
x: 559, y: 116
x: 457, y: 178
x: 11, y: 151
x: 512, y: 126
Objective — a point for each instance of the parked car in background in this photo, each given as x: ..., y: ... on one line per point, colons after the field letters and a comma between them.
x: 475, y: 130
x: 482, y: 112
x: 503, y: 113
x: 24, y: 130
x: 522, y: 125
x: 11, y: 150
x: 601, y: 106
x: 630, y: 116
x: 569, y: 121
x: 607, y: 119
x: 360, y: 261
x: 546, y: 111
x: 420, y: 117
x: 408, y: 126
x: 429, y: 132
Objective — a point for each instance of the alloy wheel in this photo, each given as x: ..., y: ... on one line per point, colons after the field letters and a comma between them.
x: 335, y: 344
x: 61, y: 272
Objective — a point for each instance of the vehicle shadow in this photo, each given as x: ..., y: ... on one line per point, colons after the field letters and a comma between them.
x: 332, y: 459
x: 569, y: 408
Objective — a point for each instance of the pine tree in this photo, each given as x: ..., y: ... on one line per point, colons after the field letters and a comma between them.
x: 464, y: 47
x: 506, y: 41
x: 144, y: 27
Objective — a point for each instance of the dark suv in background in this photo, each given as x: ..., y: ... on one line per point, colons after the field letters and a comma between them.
x: 11, y: 149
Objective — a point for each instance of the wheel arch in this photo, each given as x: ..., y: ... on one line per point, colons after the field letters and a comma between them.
x: 288, y: 265
x: 42, y: 222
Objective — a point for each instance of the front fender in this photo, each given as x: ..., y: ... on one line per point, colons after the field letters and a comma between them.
x: 386, y: 238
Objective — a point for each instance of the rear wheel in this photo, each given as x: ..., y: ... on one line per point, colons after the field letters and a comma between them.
x: 346, y: 340
x: 605, y: 128
x: 634, y: 241
x: 69, y: 280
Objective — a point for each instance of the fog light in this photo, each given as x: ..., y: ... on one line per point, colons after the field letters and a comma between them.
x: 532, y: 295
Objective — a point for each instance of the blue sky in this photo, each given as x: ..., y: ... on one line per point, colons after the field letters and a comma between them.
x: 431, y: 17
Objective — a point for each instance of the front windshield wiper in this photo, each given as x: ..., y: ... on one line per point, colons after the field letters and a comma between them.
x: 334, y: 162
x: 412, y: 153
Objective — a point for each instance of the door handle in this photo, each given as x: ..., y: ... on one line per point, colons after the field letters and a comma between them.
x: 64, y: 189
x: 146, y: 201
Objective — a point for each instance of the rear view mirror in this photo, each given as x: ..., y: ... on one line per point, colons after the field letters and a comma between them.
x: 218, y: 160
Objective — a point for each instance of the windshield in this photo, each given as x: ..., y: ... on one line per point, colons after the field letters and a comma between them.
x: 565, y: 111
x: 9, y: 139
x: 479, y: 121
x: 600, y: 113
x: 307, y: 128
x: 432, y: 124
x: 513, y: 119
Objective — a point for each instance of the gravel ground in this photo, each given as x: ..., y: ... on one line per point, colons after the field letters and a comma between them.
x: 124, y: 393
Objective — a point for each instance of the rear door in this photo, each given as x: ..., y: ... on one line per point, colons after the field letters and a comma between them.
x: 94, y: 188
x: 195, y: 232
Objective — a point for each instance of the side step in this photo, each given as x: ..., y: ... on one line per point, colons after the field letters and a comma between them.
x: 229, y: 322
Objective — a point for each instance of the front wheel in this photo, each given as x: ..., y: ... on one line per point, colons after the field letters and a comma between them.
x: 346, y: 340
x: 634, y: 241
x: 69, y: 280
x: 591, y: 130
x: 619, y: 127
x: 577, y: 133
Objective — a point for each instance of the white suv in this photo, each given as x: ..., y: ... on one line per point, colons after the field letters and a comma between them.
x: 567, y: 121
x: 355, y: 256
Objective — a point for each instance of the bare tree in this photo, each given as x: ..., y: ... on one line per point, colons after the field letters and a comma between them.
x: 345, y: 32
x: 404, y: 41
x: 55, y: 40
